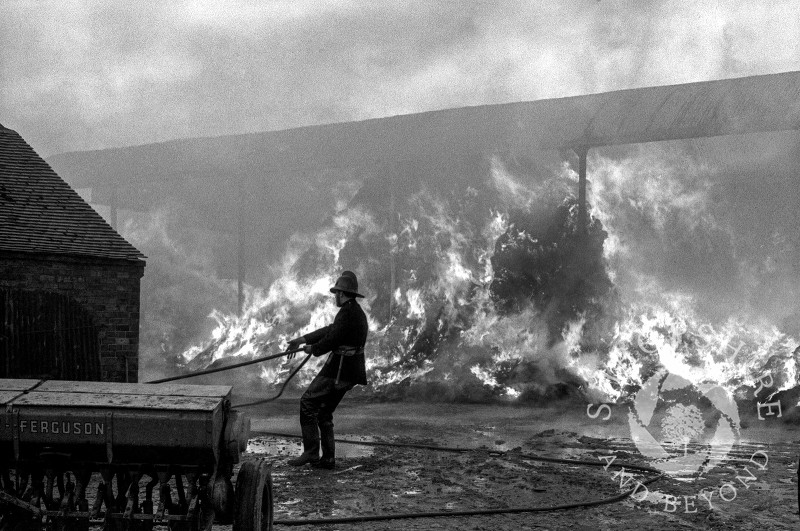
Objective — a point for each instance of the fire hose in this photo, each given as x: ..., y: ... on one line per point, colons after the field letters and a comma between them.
x: 431, y: 514
x: 226, y: 367
x: 478, y: 512
x: 243, y: 364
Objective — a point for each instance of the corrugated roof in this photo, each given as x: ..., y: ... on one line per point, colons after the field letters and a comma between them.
x: 691, y: 110
x: 752, y: 104
x: 40, y: 213
x: 249, y: 175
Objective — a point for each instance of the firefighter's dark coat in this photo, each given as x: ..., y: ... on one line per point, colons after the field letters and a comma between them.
x: 349, y: 328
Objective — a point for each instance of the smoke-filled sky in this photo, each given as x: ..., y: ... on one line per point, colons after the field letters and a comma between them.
x: 80, y: 75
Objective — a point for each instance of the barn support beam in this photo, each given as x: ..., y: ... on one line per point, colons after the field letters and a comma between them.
x: 582, y: 152
x: 393, y: 250
x: 240, y: 275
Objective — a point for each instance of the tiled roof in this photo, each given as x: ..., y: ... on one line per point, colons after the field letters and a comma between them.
x: 40, y: 213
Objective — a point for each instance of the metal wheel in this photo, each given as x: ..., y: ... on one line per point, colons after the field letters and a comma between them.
x: 253, y: 506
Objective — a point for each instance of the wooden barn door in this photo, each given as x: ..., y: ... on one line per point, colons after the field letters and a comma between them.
x: 46, y: 335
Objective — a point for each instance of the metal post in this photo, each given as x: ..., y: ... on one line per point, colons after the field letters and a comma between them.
x: 393, y: 250
x: 241, y: 258
x: 582, y: 151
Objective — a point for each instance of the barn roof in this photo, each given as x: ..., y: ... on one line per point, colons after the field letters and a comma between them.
x: 40, y: 213
x: 754, y: 104
x: 235, y: 177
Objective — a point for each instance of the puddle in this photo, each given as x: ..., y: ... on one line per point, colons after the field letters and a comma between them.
x: 272, y: 446
x: 281, y: 447
x: 294, y: 501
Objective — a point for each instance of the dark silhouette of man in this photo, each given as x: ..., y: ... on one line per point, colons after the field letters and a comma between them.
x: 344, y: 369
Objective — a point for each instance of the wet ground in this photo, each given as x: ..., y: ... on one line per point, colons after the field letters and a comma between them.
x: 499, y: 473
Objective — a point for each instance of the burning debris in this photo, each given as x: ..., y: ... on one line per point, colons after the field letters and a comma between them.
x: 485, y: 289
x: 543, y: 261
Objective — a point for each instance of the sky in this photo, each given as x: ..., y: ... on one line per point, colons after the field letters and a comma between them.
x: 83, y: 75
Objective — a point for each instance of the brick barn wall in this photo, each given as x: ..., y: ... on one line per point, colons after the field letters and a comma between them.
x: 107, y: 289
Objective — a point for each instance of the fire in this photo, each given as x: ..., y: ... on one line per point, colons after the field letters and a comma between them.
x: 292, y: 305
x: 416, y: 305
x: 445, y: 324
x: 735, y: 355
x: 661, y: 326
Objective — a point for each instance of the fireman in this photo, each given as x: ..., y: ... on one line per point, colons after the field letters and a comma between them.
x: 345, y: 368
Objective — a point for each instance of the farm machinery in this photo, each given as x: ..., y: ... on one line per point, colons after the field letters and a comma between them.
x: 127, y: 457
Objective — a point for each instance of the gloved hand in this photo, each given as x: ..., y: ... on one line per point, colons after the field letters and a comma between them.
x: 293, y: 345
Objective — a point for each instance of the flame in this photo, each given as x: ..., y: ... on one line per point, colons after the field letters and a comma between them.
x: 292, y: 305
x: 445, y: 328
x: 734, y: 355
x: 657, y: 189
x: 416, y: 305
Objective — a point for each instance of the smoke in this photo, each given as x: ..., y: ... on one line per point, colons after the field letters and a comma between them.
x: 704, y: 255
x: 444, y: 323
x: 684, y: 239
x: 180, y: 262
x: 88, y: 75
x: 479, y: 286
x: 685, y: 221
x: 658, y: 201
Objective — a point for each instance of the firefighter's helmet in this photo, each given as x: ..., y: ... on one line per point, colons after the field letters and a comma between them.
x: 347, y: 283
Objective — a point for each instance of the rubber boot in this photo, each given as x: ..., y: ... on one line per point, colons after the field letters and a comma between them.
x: 328, y: 460
x: 310, y: 446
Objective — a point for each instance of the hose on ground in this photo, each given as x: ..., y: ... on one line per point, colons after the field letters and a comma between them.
x: 433, y: 514
x: 458, y: 449
x: 475, y: 512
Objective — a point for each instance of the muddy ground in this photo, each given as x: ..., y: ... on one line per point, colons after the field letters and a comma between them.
x: 389, y: 480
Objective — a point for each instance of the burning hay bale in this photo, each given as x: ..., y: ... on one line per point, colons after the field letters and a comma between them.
x: 487, y: 291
